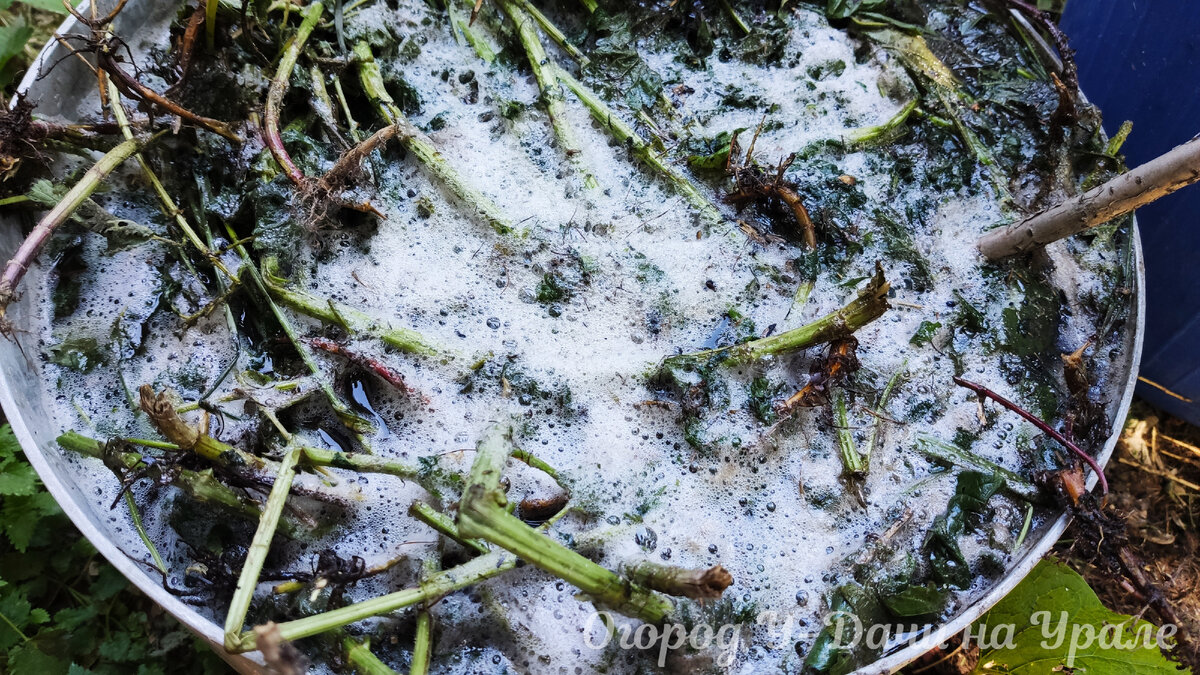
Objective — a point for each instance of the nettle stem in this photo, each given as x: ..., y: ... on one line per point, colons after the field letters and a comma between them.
x: 881, y: 406
x: 362, y: 463
x: 544, y: 72
x: 422, y: 147
x: 365, y: 663
x: 349, y: 319
x: 422, y: 643
x: 852, y: 462
x: 682, y: 582
x: 280, y: 85
x: 131, y: 87
x: 555, y: 33
x: 483, y: 514
x: 444, y: 525
x: 259, y: 547
x: 1040, y: 424
x: 162, y: 414
x: 640, y: 147
x: 870, y: 304
x: 201, y: 486
x: 479, y: 569
x: 28, y: 252
x: 170, y: 209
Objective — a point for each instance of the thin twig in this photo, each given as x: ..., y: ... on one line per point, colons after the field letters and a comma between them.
x: 1157, y: 178
x: 1041, y: 425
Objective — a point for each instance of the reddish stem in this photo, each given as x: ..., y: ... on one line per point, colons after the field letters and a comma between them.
x: 366, y: 362
x: 132, y: 88
x: 1045, y: 428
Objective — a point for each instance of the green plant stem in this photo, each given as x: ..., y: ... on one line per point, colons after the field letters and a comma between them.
x: 349, y: 319
x: 1118, y: 139
x: 641, y: 149
x: 479, y: 569
x: 532, y: 460
x: 698, y: 584
x: 364, y: 662
x: 280, y: 85
x: 23, y: 259
x: 1024, y: 529
x: 353, y: 421
x: 868, y: 305
x: 881, y: 405
x: 170, y: 209
x: 555, y: 34
x: 444, y: 525
x: 201, y: 486
x: 483, y: 514
x: 544, y: 72
x: 259, y: 547
x: 933, y: 75
x: 462, y: 29
x: 15, y: 199
x: 360, y: 462
x: 163, y: 415
x: 422, y: 643
x: 422, y: 147
x: 935, y: 448
x: 345, y: 105
x: 864, y: 136
x: 735, y: 17
x: 210, y: 24
x: 852, y: 462
x: 136, y: 517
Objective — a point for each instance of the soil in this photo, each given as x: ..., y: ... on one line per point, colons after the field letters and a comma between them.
x: 1154, y: 478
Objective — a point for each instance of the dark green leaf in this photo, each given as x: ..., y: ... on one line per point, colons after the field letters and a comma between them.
x: 915, y: 601
x: 78, y: 353
x: 13, y: 38
x: 968, y: 317
x: 925, y: 333
x: 947, y: 564
x: 1062, y: 600
x: 45, y: 5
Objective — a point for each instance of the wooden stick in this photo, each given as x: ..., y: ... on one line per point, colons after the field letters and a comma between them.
x: 1160, y: 176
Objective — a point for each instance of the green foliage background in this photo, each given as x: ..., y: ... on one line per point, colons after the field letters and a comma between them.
x: 63, y: 609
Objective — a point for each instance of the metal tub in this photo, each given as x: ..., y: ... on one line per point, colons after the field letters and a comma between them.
x: 25, y: 397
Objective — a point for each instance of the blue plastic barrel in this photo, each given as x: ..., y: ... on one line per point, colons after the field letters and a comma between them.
x: 1139, y: 60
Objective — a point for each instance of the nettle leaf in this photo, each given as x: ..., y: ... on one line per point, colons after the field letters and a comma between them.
x: 44, y: 5
x: 947, y: 564
x: 123, y: 235
x: 22, y: 516
x: 13, y: 38
x: 17, y: 477
x: 915, y: 601
x: 616, y: 68
x: 79, y: 353
x: 1058, y: 599
x: 842, y: 9
x: 925, y: 333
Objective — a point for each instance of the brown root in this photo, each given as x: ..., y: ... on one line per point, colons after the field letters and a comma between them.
x: 839, y: 362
